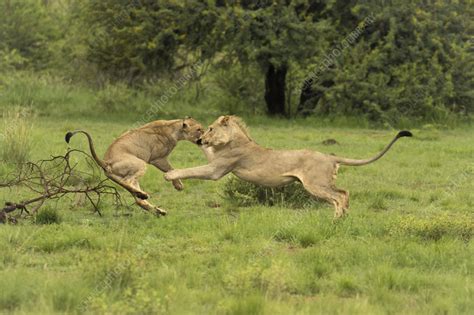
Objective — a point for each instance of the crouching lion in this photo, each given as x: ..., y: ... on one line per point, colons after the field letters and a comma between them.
x: 126, y: 158
x: 230, y: 149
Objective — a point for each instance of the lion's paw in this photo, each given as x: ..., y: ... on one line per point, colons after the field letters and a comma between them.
x: 142, y: 195
x: 160, y: 212
x: 178, y: 185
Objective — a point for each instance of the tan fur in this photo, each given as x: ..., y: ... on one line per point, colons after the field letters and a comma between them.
x: 230, y: 149
x: 127, y: 157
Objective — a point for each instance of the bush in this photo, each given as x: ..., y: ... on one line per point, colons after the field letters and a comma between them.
x: 16, y: 141
x: 27, y: 29
x: 11, y: 60
x: 239, y: 90
x: 47, y: 216
x: 247, y: 194
x: 114, y: 97
x: 402, y: 67
x: 434, y: 228
x: 134, y: 40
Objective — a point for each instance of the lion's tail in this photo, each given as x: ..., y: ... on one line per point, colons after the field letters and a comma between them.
x: 354, y: 162
x: 99, y: 161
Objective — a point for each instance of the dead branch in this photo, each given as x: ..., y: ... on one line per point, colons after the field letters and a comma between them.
x: 52, y: 179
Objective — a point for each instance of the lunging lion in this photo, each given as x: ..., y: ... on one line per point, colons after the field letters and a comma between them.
x: 126, y: 158
x: 230, y: 149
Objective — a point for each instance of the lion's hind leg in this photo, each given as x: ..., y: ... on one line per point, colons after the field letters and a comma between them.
x: 330, y: 195
x: 323, y: 188
x: 125, y: 172
x: 122, y: 182
x: 345, y: 197
x: 144, y: 204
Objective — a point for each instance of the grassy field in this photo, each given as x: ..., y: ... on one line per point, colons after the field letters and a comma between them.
x: 405, y: 248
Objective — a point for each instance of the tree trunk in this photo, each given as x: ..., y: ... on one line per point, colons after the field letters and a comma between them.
x: 275, y: 82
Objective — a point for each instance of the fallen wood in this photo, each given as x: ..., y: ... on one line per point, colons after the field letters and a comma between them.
x: 53, y: 179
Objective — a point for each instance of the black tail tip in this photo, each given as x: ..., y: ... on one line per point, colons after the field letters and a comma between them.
x: 68, y: 136
x: 404, y: 133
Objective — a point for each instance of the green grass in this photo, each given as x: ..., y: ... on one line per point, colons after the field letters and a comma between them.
x: 15, y: 142
x: 405, y: 248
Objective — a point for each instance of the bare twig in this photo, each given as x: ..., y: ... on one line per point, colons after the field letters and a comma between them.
x: 52, y: 179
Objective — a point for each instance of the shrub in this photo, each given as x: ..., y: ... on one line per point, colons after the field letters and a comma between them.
x: 47, y: 216
x: 11, y: 60
x: 114, y: 97
x: 27, y: 32
x: 252, y: 304
x: 434, y: 228
x: 134, y: 40
x: 239, y: 90
x: 347, y: 286
x: 401, y: 68
x: 247, y: 194
x: 16, y: 137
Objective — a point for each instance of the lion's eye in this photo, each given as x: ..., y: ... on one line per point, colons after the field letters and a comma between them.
x: 210, y: 129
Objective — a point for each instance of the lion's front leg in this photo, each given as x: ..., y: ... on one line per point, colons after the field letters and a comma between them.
x: 208, y: 152
x: 165, y: 166
x: 210, y: 172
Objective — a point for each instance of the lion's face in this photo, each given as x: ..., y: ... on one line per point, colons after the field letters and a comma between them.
x: 218, y: 133
x: 192, y: 130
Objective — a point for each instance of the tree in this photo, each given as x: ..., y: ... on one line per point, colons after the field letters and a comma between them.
x: 411, y: 59
x: 274, y: 35
x: 143, y: 39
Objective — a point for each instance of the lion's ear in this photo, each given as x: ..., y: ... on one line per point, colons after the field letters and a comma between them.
x: 225, y: 120
x: 185, y: 125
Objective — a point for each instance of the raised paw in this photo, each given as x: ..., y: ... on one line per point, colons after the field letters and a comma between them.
x: 142, y: 195
x: 178, y: 185
x: 159, y: 211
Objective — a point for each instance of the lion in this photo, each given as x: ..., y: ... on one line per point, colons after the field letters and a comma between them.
x: 231, y: 149
x: 126, y: 158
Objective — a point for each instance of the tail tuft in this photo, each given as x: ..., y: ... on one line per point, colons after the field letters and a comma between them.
x: 68, y: 136
x: 404, y: 133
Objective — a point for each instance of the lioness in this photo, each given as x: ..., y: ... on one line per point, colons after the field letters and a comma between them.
x: 126, y: 158
x: 232, y: 150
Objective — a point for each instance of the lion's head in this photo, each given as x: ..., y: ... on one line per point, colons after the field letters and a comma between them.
x: 224, y: 130
x: 192, y: 130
